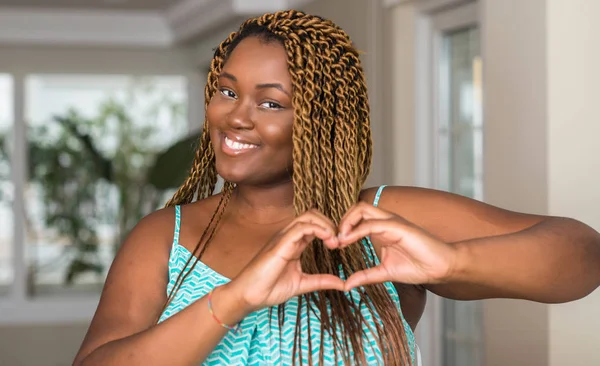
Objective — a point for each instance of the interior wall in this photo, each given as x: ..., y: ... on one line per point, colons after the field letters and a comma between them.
x: 515, y: 112
x: 401, y: 70
x: 574, y: 159
x: 61, y: 59
x: 54, y: 345
x: 541, y: 151
x: 515, y: 164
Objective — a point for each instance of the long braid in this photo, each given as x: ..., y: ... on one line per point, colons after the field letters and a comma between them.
x: 203, y: 176
x: 332, y: 152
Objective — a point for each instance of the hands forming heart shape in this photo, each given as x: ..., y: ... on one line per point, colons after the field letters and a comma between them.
x: 408, y: 255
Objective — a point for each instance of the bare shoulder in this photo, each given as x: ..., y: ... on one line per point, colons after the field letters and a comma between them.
x: 135, y: 289
x: 194, y: 218
x: 154, y: 231
x: 203, y: 209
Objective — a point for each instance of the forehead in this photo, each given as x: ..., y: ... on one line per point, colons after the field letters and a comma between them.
x: 254, y: 58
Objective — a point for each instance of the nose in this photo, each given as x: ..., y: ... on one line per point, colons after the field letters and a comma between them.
x: 240, y: 117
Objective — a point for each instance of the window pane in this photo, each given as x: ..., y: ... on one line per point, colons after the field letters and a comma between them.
x: 460, y: 160
x: 466, y: 178
x: 444, y: 161
x: 93, y: 143
x: 460, y: 142
x: 6, y: 186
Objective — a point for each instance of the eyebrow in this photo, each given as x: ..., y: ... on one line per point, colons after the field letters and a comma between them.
x: 277, y: 86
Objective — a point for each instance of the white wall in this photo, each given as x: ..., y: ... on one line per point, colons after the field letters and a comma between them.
x: 49, y: 58
x: 541, y: 78
x: 574, y: 159
x: 541, y: 150
x: 515, y: 147
x: 401, y: 71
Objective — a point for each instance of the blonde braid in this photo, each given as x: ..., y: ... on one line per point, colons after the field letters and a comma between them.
x: 332, y: 152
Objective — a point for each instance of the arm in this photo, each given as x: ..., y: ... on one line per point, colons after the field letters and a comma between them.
x: 503, y: 254
x: 124, y: 331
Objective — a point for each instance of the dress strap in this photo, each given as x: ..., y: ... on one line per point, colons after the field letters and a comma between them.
x: 177, y: 224
x: 378, y: 195
x: 371, y: 256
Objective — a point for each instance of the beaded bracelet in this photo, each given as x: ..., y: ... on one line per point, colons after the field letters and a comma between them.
x: 210, y: 309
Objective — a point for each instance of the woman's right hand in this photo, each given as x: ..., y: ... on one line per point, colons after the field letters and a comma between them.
x: 275, y: 274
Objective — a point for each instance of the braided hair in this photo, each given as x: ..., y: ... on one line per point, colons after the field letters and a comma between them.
x: 332, y: 152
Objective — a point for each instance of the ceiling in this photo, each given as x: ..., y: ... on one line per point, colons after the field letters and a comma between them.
x: 132, y: 23
x: 152, y: 5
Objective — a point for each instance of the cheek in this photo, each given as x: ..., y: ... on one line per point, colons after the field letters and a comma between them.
x: 215, y: 113
x: 212, y: 111
x: 279, y: 132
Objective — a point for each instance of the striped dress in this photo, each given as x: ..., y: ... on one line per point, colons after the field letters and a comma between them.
x: 260, y: 340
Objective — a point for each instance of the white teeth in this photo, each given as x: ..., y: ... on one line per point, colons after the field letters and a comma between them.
x: 238, y: 146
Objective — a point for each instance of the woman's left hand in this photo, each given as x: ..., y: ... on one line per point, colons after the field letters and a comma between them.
x: 409, y: 254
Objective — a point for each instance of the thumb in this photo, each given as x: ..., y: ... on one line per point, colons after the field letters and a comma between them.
x: 319, y: 282
x: 367, y: 276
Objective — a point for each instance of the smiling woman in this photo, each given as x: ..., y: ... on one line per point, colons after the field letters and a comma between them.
x: 294, y: 261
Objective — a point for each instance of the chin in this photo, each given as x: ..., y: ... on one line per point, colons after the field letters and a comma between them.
x: 250, y: 178
x: 231, y: 175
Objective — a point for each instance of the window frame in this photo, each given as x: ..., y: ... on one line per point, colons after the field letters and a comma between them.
x: 451, y: 17
x: 17, y: 307
x: 433, y: 18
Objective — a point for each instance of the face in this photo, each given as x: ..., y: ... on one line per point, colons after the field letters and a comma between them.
x: 251, y: 116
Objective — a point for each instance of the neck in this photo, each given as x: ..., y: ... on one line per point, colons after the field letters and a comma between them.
x: 264, y: 205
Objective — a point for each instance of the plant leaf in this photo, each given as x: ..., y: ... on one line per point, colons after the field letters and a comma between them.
x: 172, y: 166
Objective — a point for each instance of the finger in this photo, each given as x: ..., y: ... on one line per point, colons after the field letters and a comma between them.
x: 367, y: 277
x: 373, y: 227
x: 319, y: 282
x: 359, y: 212
x: 315, y: 217
x: 320, y: 215
x: 295, y: 240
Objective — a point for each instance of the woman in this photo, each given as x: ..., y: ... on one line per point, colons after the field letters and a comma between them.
x: 297, y: 263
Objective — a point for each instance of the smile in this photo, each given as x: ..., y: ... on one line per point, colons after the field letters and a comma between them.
x: 234, y: 147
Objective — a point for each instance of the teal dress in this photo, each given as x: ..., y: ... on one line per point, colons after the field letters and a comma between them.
x: 260, y: 341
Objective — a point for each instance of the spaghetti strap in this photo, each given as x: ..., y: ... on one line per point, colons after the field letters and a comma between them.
x: 378, y: 195
x: 177, y: 224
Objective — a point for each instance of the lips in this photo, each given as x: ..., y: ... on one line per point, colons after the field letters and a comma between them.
x: 238, y: 145
x: 234, y: 145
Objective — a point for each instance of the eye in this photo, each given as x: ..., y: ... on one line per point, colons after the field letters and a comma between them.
x: 271, y: 105
x: 227, y: 93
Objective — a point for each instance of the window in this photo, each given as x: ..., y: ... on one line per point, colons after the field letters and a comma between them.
x: 458, y: 156
x: 448, y: 154
x: 96, y: 153
x: 92, y: 144
x: 460, y: 135
x: 6, y: 186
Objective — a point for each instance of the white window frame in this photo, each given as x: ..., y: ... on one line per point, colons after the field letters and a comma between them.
x: 432, y: 19
x: 436, y: 18
x: 17, y: 307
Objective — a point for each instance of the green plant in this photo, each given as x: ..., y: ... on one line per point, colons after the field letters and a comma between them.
x: 104, y: 171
